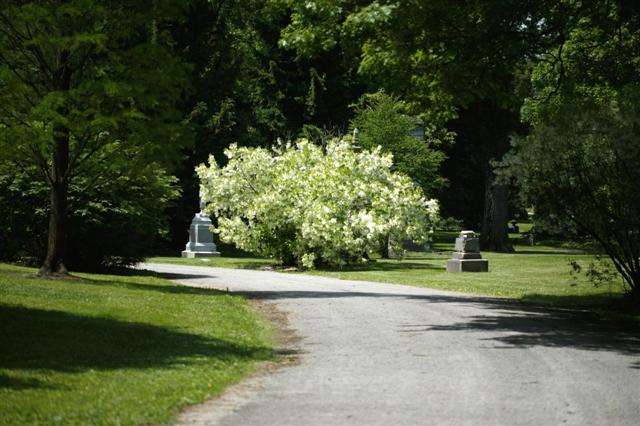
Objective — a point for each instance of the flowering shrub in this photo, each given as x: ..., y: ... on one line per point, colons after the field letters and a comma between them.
x: 307, y: 206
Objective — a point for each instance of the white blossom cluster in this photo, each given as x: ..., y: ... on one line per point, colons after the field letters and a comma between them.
x: 307, y: 205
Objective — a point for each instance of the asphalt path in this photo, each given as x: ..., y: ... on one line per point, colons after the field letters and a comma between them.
x: 380, y: 354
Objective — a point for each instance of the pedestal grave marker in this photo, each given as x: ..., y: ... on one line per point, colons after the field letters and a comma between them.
x: 467, y: 256
x: 200, y: 237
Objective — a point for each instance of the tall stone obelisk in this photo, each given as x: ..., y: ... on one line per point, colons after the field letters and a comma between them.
x: 200, y: 237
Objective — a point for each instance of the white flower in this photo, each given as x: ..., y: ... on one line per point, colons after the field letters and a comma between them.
x: 319, y: 205
x: 308, y: 259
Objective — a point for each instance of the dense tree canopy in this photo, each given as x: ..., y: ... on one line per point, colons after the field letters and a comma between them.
x: 581, y: 160
x: 102, y: 104
x: 86, y: 86
x: 248, y: 90
x: 444, y: 61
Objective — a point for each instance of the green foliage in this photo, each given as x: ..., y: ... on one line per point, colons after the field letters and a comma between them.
x: 248, y: 90
x: 122, y: 83
x: 438, y: 56
x: 116, y: 214
x: 123, y: 209
x: 314, y: 27
x: 87, y: 107
x: 308, y: 205
x: 382, y: 120
x: 599, y: 272
x: 23, y: 208
x: 582, y: 158
x: 446, y: 61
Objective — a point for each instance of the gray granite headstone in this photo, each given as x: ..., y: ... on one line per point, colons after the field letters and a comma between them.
x: 467, y: 256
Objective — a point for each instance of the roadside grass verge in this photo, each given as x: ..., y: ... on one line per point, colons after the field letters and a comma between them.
x: 115, y: 349
x: 220, y: 261
x: 538, y: 275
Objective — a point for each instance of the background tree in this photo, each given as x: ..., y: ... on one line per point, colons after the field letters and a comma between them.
x: 452, y: 65
x: 83, y: 86
x: 382, y: 120
x: 248, y: 90
x: 581, y: 160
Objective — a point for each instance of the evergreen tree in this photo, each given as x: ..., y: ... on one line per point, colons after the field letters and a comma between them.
x: 382, y: 120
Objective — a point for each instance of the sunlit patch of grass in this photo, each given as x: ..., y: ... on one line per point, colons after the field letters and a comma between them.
x: 112, y: 349
x: 220, y: 261
x: 540, y: 276
x: 532, y: 274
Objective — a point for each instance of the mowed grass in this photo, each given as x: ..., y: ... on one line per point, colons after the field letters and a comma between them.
x: 220, y: 261
x: 533, y: 274
x: 126, y: 350
x: 539, y: 277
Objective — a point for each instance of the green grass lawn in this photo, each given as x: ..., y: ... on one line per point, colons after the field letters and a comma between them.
x: 534, y: 274
x: 539, y: 277
x: 221, y: 261
x: 130, y: 350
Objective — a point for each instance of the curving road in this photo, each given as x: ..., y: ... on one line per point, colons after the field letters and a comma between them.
x: 377, y: 354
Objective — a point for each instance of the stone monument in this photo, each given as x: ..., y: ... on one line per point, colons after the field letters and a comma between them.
x: 200, y: 237
x: 467, y: 256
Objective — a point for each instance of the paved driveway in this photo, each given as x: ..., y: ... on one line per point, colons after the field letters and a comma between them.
x: 377, y: 354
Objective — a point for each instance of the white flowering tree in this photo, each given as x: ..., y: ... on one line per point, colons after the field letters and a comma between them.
x: 309, y: 206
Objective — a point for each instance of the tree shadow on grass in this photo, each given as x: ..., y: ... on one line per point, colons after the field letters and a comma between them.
x: 389, y: 265
x: 161, y: 288
x: 35, y: 339
x: 16, y: 383
x: 554, y: 252
x: 255, y: 265
x: 612, y: 302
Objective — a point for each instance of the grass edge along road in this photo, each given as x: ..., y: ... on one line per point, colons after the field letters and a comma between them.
x: 533, y: 275
x: 114, y: 349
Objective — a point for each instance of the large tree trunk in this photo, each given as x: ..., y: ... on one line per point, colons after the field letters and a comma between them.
x: 57, y: 237
x: 494, y: 236
x: 58, y: 182
x: 483, y: 130
x: 635, y: 294
x: 384, y: 251
x: 634, y: 285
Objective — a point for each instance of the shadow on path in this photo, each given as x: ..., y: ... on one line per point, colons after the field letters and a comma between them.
x: 515, y: 324
x: 524, y: 327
